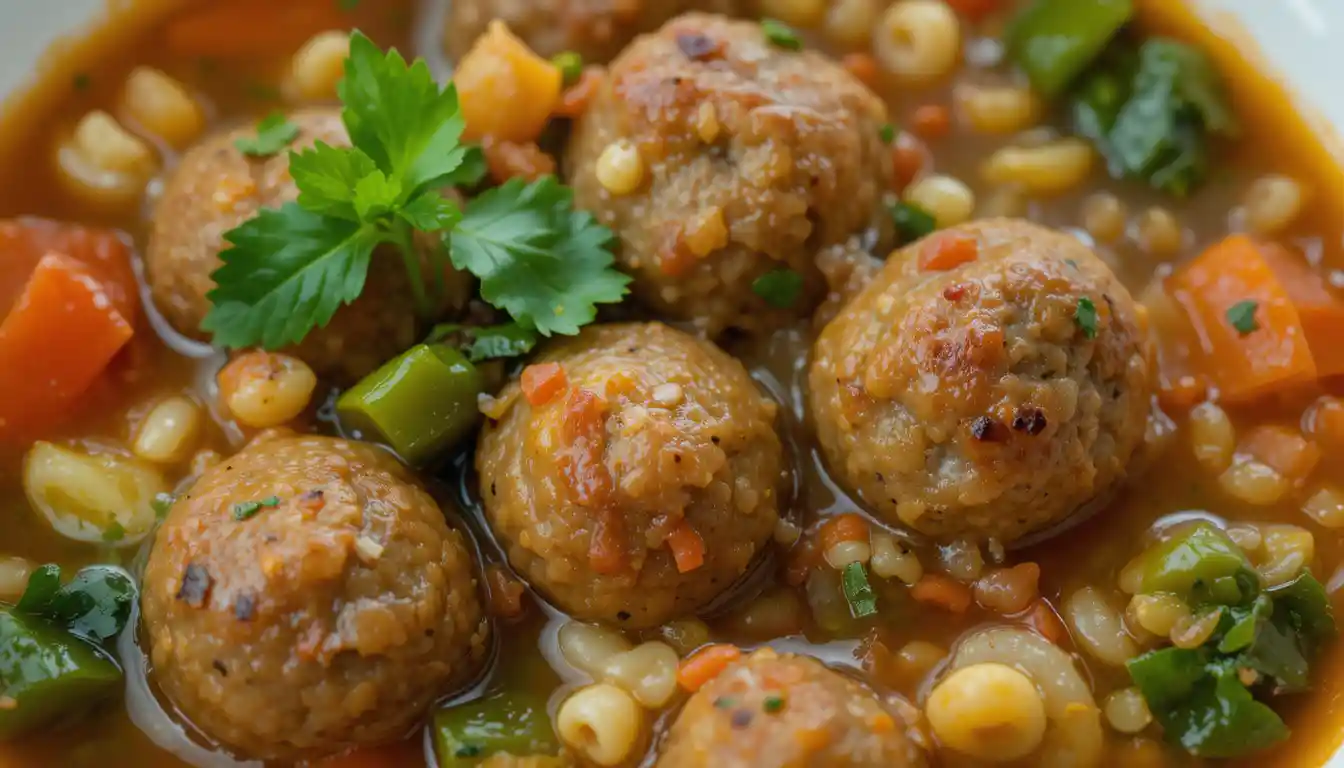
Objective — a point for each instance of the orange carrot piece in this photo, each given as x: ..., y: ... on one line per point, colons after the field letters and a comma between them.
x: 688, y: 549
x: 1321, y: 312
x: 1272, y: 358
x: 931, y: 121
x: 947, y: 250
x: 247, y: 28
x: 1043, y: 620
x: 862, y: 66
x: 705, y: 665
x: 23, y: 242
x: 1282, y: 449
x: 907, y: 159
x: 541, y: 382
x: 54, y: 343
x: 943, y: 592
x: 504, y: 89
x: 845, y: 527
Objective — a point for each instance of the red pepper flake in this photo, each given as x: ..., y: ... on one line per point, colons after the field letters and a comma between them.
x: 947, y: 250
x: 542, y: 382
x: 954, y: 292
x: 196, y: 583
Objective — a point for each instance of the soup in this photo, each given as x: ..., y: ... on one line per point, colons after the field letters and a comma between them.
x: 676, y: 384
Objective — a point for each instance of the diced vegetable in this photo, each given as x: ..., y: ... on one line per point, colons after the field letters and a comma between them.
x: 542, y: 382
x: 1320, y: 311
x: 858, y: 592
x: 946, y: 593
x: 1200, y: 564
x: 1202, y: 704
x: 69, y: 302
x: 780, y: 288
x: 1275, y: 357
x: 420, y: 403
x: 705, y: 665
x: 688, y: 549
x: 47, y: 675
x: 1054, y: 41
x: 506, y: 91
x: 1151, y: 112
x: 83, y: 496
x: 95, y: 605
x: 948, y: 251
x: 512, y: 722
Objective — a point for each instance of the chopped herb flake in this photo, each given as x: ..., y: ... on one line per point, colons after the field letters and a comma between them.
x: 912, y: 222
x: 114, y: 532
x: 570, y: 65
x: 1086, y: 317
x: 1242, y: 316
x: 858, y: 592
x: 887, y: 133
x: 780, y: 288
x: 781, y: 35
x: 274, y: 133
x: 773, y: 704
x: 245, y: 509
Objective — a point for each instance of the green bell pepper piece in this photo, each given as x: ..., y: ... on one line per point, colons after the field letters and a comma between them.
x: 46, y: 675
x: 1054, y: 41
x: 1201, y: 564
x: 420, y: 403
x: 512, y: 722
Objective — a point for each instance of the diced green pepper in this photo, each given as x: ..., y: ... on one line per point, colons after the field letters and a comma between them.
x: 512, y: 722
x: 46, y: 675
x: 420, y: 403
x: 1053, y: 41
x: 1199, y: 563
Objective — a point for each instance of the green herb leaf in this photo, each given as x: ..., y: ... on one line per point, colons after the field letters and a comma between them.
x: 1242, y: 316
x: 1085, y: 315
x: 431, y: 212
x: 96, y: 604
x: 781, y: 35
x: 780, y: 288
x: 480, y: 343
x: 774, y: 703
x: 887, y: 133
x: 288, y: 271
x: 400, y: 117
x: 1305, y: 607
x: 245, y: 509
x: 114, y: 532
x: 912, y: 222
x: 274, y: 133
x: 858, y: 592
x: 540, y: 260
x: 1054, y: 41
x: 570, y: 65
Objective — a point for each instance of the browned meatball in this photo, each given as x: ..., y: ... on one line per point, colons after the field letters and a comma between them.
x: 989, y: 400
x: 595, y: 29
x: 655, y: 430
x: 755, y: 158
x: 306, y: 596
x: 783, y: 710
x: 214, y: 189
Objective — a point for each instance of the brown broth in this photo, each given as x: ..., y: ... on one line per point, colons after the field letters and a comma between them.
x: 1090, y: 554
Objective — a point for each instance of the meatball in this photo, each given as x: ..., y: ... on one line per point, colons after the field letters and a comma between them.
x: 784, y: 710
x: 214, y: 189
x: 595, y: 29
x: 754, y: 158
x: 656, y: 434
x: 305, y: 597
x: 990, y: 399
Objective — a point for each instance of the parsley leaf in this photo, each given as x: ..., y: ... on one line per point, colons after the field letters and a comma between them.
x: 326, y: 177
x: 1085, y: 315
x: 1242, y: 316
x: 274, y: 133
x: 96, y: 604
x: 780, y: 288
x: 781, y: 35
x: 486, y: 342
x: 288, y: 271
x: 540, y: 260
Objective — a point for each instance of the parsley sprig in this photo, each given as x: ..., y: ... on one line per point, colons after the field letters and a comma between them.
x: 289, y: 269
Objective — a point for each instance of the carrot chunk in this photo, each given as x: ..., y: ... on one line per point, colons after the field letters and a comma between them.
x: 688, y: 549
x: 948, y: 250
x: 1250, y: 335
x: 845, y: 527
x: 1321, y: 312
x: 542, y: 382
x: 705, y: 665
x: 942, y: 592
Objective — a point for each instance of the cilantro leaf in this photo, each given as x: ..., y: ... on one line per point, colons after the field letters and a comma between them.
x: 431, y: 212
x: 486, y: 342
x: 537, y: 258
x: 1242, y: 316
x: 327, y: 176
x: 96, y: 604
x: 274, y: 133
x: 288, y: 271
x: 376, y: 195
x: 780, y: 288
x: 1085, y: 315
x: 400, y: 116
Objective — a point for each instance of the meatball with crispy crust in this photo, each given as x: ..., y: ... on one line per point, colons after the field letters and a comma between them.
x: 773, y: 710
x: 215, y: 188
x: 754, y: 158
x: 989, y: 382
x: 634, y: 440
x: 597, y: 30
x: 305, y: 597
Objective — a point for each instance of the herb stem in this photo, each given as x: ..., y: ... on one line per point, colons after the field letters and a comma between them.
x: 401, y: 234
